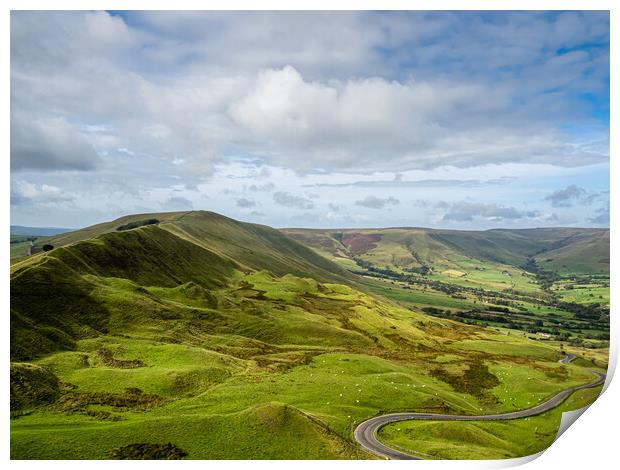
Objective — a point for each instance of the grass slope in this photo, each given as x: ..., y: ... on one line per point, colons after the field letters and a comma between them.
x: 585, y: 253
x: 229, y: 340
x: 250, y: 246
x: 264, y: 359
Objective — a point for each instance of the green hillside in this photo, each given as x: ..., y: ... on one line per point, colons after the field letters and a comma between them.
x: 552, y: 281
x: 249, y: 246
x: 402, y: 248
x: 582, y: 253
x: 201, y: 337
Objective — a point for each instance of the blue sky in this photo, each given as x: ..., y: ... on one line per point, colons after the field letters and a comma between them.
x: 468, y: 120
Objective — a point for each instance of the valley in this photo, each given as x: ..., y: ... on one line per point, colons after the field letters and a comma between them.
x: 192, y: 335
x: 498, y: 278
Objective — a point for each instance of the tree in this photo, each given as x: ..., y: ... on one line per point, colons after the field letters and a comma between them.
x: 47, y: 247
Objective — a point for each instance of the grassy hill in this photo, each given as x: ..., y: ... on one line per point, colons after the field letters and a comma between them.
x: 249, y: 246
x: 22, y: 238
x: 52, y: 296
x: 209, y: 338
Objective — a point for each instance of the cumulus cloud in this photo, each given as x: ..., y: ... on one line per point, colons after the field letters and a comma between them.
x: 26, y: 193
x: 373, y: 202
x: 49, y: 144
x: 464, y: 211
x: 289, y: 200
x: 337, y: 124
x: 106, y: 72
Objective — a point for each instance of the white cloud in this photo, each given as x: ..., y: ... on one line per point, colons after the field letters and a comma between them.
x: 264, y: 100
x: 49, y: 144
x: 312, y: 124
x: 98, y: 70
x: 26, y: 193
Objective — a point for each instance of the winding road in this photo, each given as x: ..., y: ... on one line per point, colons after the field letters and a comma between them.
x: 366, y: 432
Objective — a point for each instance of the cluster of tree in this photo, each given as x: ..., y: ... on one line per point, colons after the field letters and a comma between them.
x: 508, y: 297
x: 593, y: 311
x: 423, y: 270
x: 137, y: 224
x: 23, y: 239
x: 363, y: 263
x: 474, y: 314
x: 555, y: 327
x: 494, y: 308
x: 36, y: 249
x: 387, y: 273
x: 545, y: 278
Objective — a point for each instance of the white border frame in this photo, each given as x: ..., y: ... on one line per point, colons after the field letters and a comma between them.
x: 589, y: 444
